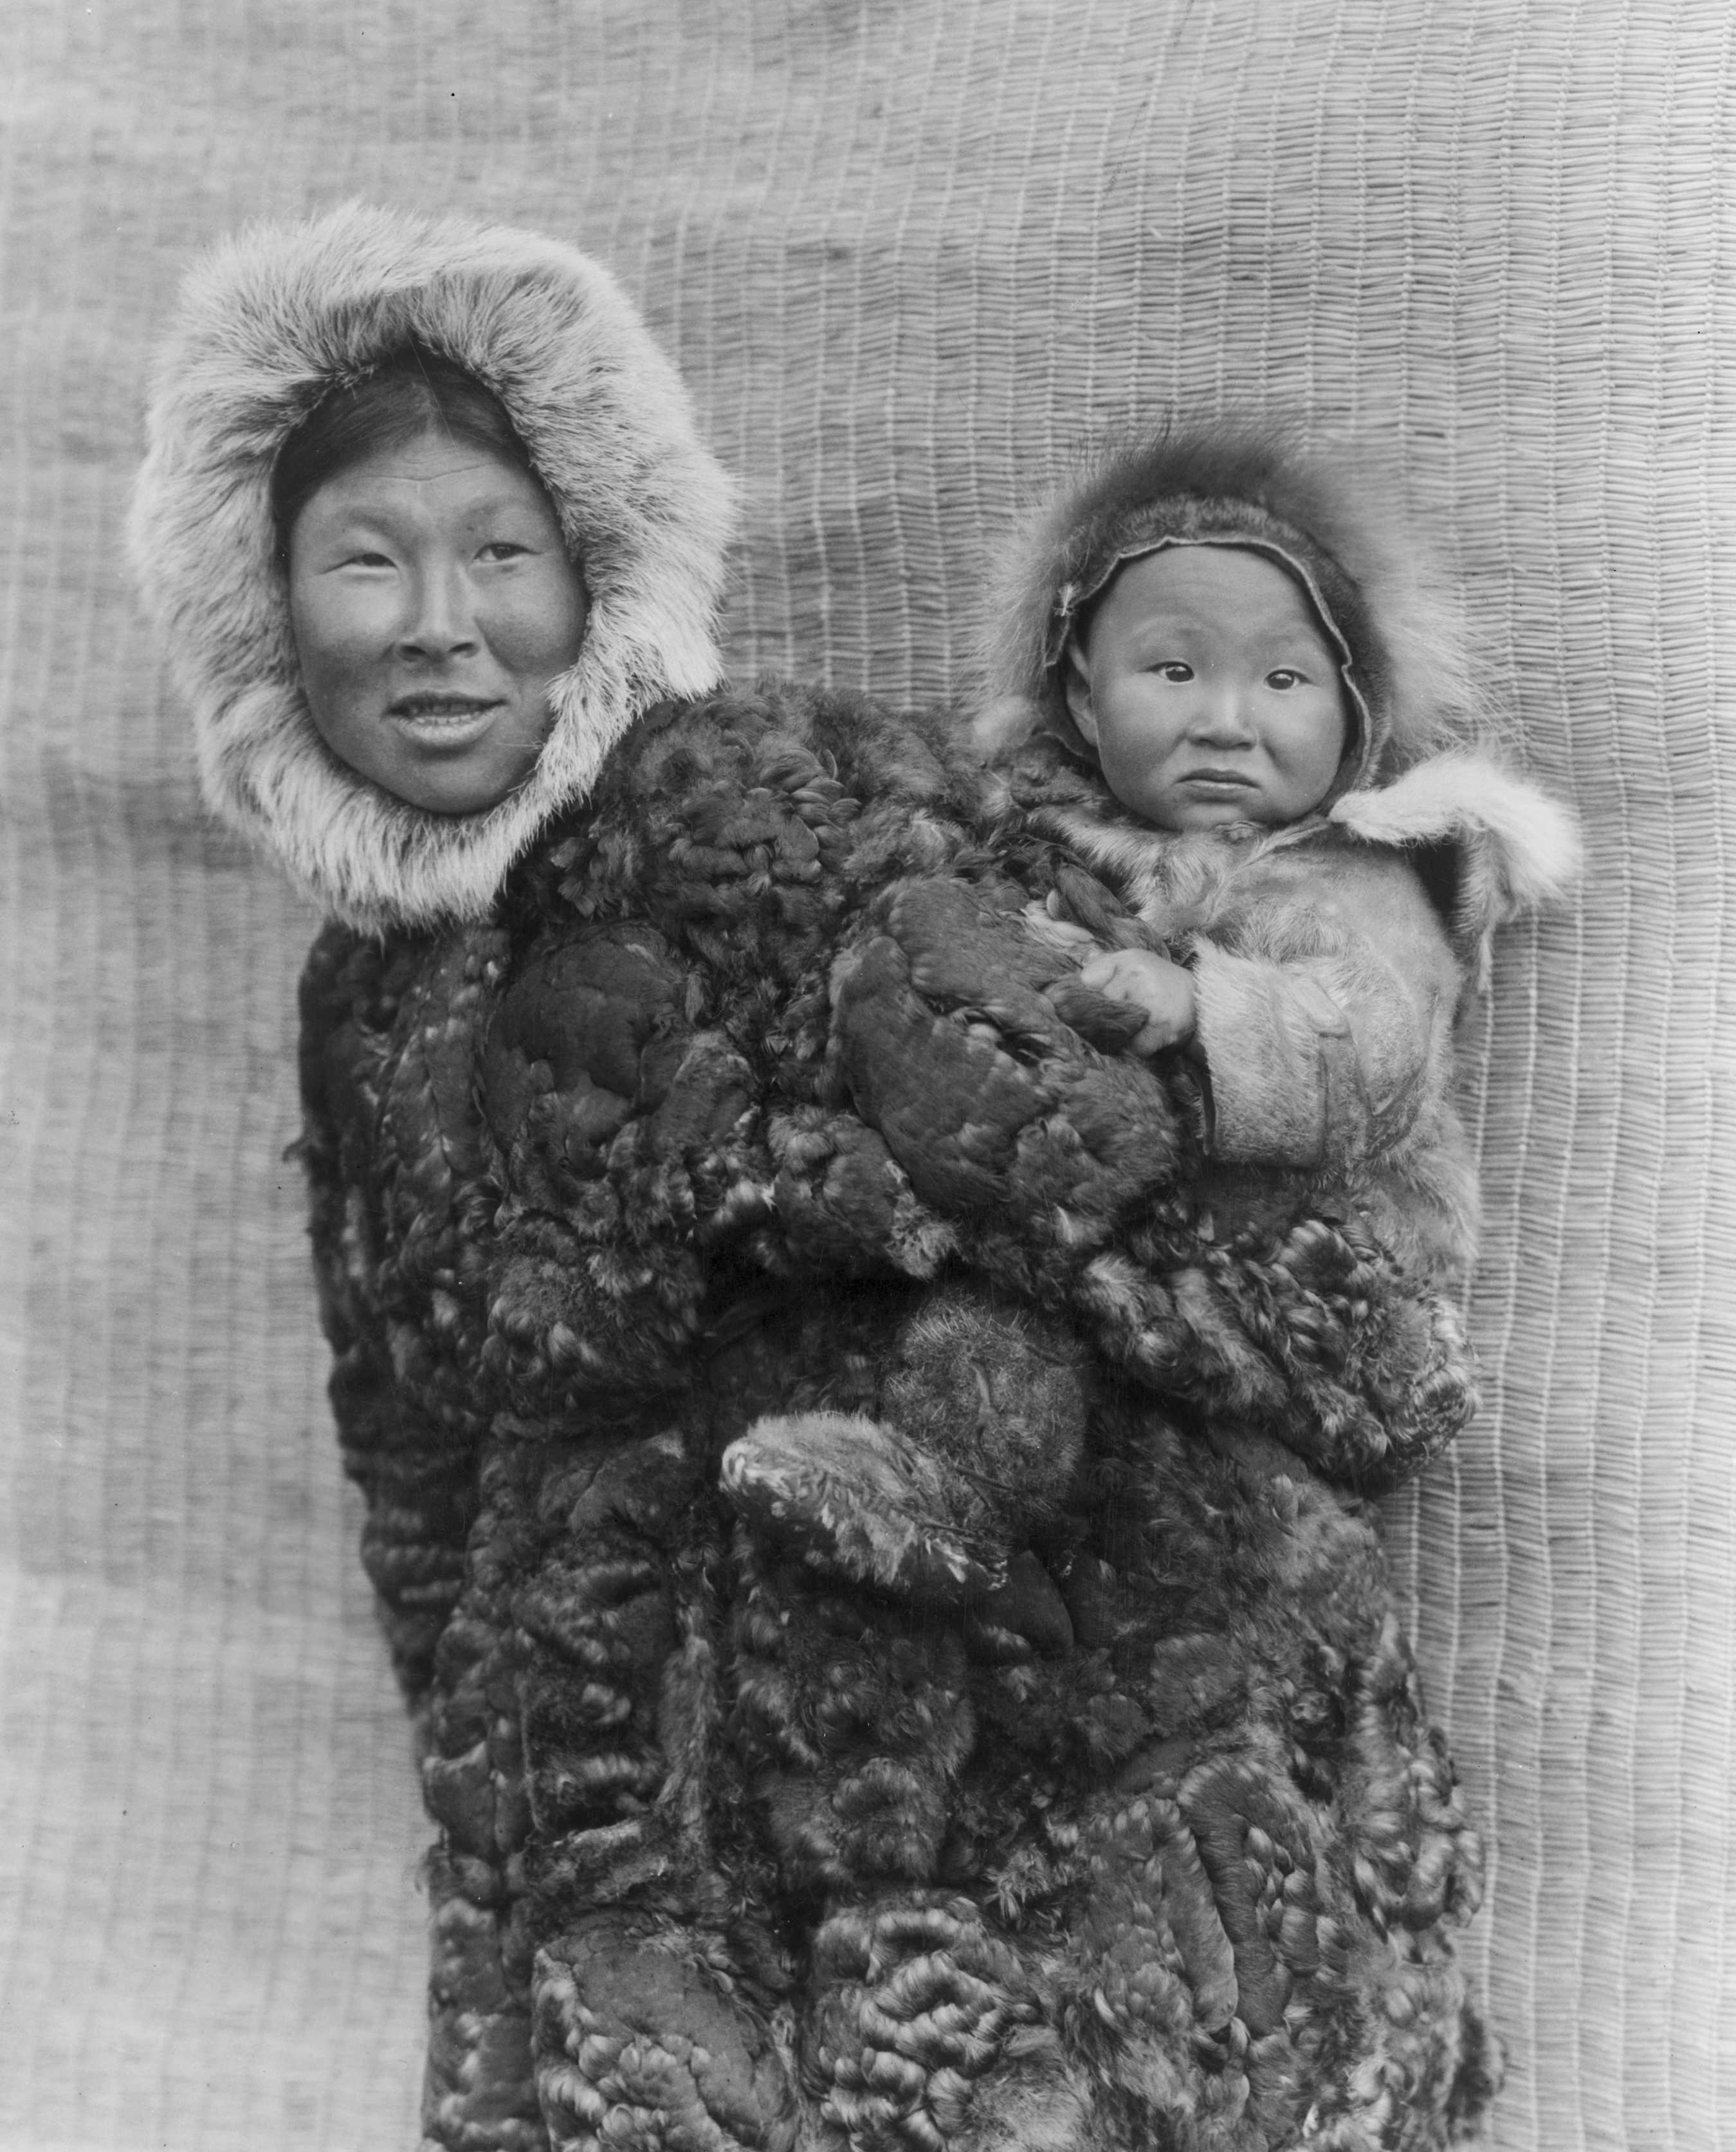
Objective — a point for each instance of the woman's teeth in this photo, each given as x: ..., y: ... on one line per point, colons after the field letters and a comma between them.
x: 444, y: 710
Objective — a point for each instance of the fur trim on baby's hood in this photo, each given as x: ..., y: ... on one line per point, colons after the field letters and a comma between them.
x: 1328, y: 515
x: 268, y: 321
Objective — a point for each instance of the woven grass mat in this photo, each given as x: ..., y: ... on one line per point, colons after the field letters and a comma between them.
x: 905, y: 253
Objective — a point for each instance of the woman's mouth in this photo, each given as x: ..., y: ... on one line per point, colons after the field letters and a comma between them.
x: 451, y: 721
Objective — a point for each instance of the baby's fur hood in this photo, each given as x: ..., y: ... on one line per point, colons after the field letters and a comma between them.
x: 268, y: 321
x: 1327, y: 514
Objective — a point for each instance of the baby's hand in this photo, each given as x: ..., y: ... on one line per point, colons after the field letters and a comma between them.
x: 1163, y: 990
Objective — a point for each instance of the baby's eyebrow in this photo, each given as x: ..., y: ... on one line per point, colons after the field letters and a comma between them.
x: 1300, y: 636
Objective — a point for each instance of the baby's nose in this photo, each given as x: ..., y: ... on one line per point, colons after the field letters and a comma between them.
x: 1224, y: 712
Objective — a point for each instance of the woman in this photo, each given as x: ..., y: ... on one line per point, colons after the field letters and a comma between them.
x: 732, y: 1853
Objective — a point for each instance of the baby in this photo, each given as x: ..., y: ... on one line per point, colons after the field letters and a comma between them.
x: 1255, y: 846
x: 1202, y: 680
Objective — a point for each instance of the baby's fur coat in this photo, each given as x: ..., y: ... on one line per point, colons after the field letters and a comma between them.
x: 594, y: 1188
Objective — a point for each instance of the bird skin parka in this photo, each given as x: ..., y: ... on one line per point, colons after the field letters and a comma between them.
x: 1149, y: 1841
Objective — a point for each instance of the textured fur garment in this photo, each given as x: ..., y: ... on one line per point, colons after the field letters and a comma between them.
x: 594, y: 1203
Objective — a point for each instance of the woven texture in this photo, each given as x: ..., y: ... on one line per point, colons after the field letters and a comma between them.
x: 903, y: 254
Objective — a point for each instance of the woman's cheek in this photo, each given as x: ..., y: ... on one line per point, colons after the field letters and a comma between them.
x: 342, y: 632
x: 344, y: 671
x: 536, y: 625
x: 512, y: 633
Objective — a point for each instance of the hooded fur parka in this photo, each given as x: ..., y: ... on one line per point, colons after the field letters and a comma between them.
x: 1324, y: 1218
x: 732, y: 1854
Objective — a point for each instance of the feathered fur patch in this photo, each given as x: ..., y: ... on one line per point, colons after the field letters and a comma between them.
x: 1518, y: 849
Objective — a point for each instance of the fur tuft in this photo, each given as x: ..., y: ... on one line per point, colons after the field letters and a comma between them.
x: 1517, y: 848
x: 268, y: 320
x: 1252, y: 480
x: 1534, y: 840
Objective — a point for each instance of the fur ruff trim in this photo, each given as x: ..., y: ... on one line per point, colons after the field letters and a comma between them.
x: 1248, y: 481
x: 1517, y: 848
x: 270, y: 320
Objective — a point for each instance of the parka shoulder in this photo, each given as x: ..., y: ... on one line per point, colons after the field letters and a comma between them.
x: 715, y: 807
x: 1490, y: 845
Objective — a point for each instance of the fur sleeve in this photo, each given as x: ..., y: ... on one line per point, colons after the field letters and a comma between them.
x: 1063, y: 1174
x: 408, y: 1425
x: 989, y: 1099
x: 1325, y: 1008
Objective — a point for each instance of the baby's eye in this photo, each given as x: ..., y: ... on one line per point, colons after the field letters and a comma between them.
x: 1173, y: 669
x: 1285, y: 677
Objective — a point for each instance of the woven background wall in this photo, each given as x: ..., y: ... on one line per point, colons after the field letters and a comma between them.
x: 903, y: 252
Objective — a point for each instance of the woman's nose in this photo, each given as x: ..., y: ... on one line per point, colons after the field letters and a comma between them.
x: 439, y: 621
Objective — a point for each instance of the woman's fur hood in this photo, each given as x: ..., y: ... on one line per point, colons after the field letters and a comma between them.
x: 268, y: 321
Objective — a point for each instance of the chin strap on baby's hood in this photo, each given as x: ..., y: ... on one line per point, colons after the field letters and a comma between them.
x: 267, y: 324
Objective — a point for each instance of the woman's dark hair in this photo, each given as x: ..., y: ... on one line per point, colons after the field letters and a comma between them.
x: 413, y: 393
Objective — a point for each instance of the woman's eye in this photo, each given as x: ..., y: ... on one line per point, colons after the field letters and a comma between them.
x: 369, y: 560
x: 502, y: 549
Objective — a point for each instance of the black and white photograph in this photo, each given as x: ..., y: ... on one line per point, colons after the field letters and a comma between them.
x: 867, y: 1076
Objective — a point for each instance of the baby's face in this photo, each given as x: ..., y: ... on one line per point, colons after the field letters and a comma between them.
x: 433, y: 605
x: 1209, y: 691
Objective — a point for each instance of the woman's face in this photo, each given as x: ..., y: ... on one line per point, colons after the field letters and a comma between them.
x: 433, y: 605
